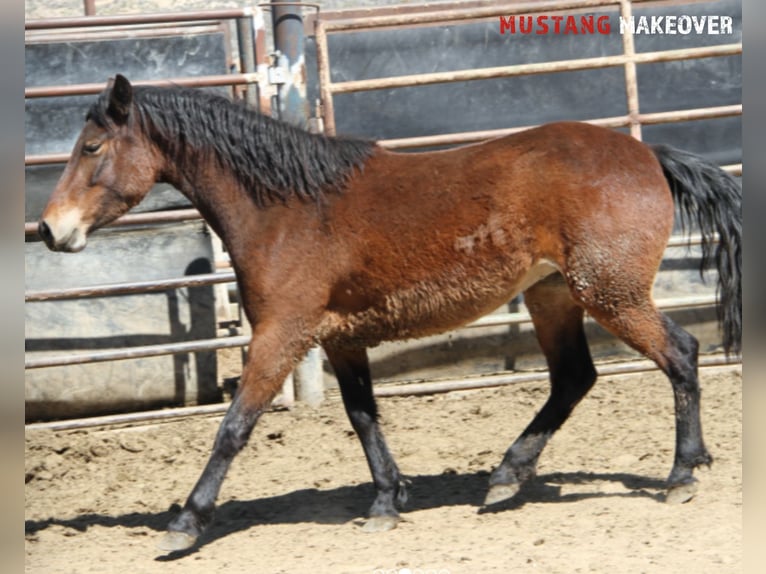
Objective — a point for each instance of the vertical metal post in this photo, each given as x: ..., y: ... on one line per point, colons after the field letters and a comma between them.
x: 245, y: 40
x: 90, y: 7
x: 262, y: 61
x: 631, y: 81
x: 323, y: 68
x: 292, y: 107
x: 289, y: 42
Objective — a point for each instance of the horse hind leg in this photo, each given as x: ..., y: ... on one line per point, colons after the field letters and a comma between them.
x: 630, y: 314
x: 353, y: 373
x: 558, y: 323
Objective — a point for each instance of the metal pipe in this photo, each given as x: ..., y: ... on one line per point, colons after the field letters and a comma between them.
x: 452, y: 15
x: 152, y: 218
x: 489, y: 381
x: 631, y: 81
x: 468, y: 137
x: 192, y: 81
x: 146, y: 417
x: 671, y: 303
x: 613, y: 122
x: 46, y: 158
x: 130, y: 288
x: 213, y: 278
x: 293, y: 107
x: 689, y: 115
x: 287, y: 22
x: 529, y: 69
x: 262, y: 62
x: 203, y: 279
x: 134, y: 19
x: 386, y: 390
x: 269, y: 5
x: 245, y: 41
x: 210, y: 279
x: 61, y: 360
x: 89, y: 7
x: 325, y: 79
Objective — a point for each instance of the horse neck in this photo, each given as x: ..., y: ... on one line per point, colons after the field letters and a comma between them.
x: 218, y: 196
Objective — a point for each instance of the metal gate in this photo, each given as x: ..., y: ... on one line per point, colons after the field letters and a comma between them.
x: 258, y: 78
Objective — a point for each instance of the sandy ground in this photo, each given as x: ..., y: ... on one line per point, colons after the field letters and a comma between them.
x: 97, y: 500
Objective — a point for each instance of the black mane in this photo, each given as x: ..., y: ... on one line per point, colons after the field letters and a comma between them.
x: 271, y: 159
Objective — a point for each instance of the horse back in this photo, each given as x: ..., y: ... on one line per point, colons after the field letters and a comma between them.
x: 428, y: 241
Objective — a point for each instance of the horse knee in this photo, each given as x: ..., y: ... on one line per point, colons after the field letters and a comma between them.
x: 233, y: 435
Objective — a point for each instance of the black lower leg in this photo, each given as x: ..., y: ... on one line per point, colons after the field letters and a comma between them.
x: 572, y: 376
x: 559, y: 328
x: 233, y: 434
x: 353, y: 373
x: 681, y: 369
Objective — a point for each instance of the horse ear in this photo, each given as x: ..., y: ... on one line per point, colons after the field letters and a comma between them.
x: 120, y: 98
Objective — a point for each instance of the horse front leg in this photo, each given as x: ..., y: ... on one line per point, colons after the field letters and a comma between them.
x: 270, y: 359
x: 352, y: 370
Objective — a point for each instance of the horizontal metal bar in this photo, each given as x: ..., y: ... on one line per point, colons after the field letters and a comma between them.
x: 145, y: 417
x: 689, y: 115
x: 503, y: 319
x: 132, y: 288
x: 475, y: 136
x: 481, y: 135
x: 490, y: 381
x: 150, y: 218
x: 212, y: 344
x: 536, y: 68
x: 46, y: 158
x: 208, y: 279
x: 686, y: 241
x: 611, y: 122
x: 187, y: 81
x: 443, y: 16
x: 270, y: 5
x: 385, y: 390
x: 61, y: 360
x: 136, y: 19
x: 131, y: 418
x: 125, y: 32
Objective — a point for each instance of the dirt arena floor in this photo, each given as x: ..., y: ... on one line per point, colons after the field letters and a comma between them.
x: 98, y: 500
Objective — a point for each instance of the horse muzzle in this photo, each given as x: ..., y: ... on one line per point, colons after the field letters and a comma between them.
x: 70, y: 239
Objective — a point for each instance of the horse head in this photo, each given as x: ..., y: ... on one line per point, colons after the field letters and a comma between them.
x: 112, y: 167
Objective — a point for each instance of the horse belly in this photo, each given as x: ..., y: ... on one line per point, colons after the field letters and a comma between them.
x: 430, y: 307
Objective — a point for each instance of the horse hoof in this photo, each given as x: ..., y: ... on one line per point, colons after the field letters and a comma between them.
x: 500, y: 492
x: 681, y: 493
x: 380, y: 524
x: 174, y: 541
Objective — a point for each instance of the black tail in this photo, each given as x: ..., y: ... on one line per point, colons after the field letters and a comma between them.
x: 711, y: 199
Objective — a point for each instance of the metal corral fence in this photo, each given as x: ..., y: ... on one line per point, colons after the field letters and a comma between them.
x: 251, y: 81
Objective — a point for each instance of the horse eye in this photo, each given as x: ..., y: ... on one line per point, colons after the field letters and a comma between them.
x: 91, y: 147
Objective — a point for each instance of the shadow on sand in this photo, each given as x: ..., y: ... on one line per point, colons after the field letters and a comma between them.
x: 350, y: 503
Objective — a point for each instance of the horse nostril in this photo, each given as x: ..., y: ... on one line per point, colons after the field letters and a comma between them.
x: 45, y: 232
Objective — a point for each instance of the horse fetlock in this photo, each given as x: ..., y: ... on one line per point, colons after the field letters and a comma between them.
x: 513, y: 473
x: 401, y: 492
x: 190, y: 522
x: 703, y: 458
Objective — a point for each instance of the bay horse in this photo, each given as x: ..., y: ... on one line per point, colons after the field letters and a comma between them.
x: 342, y: 243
